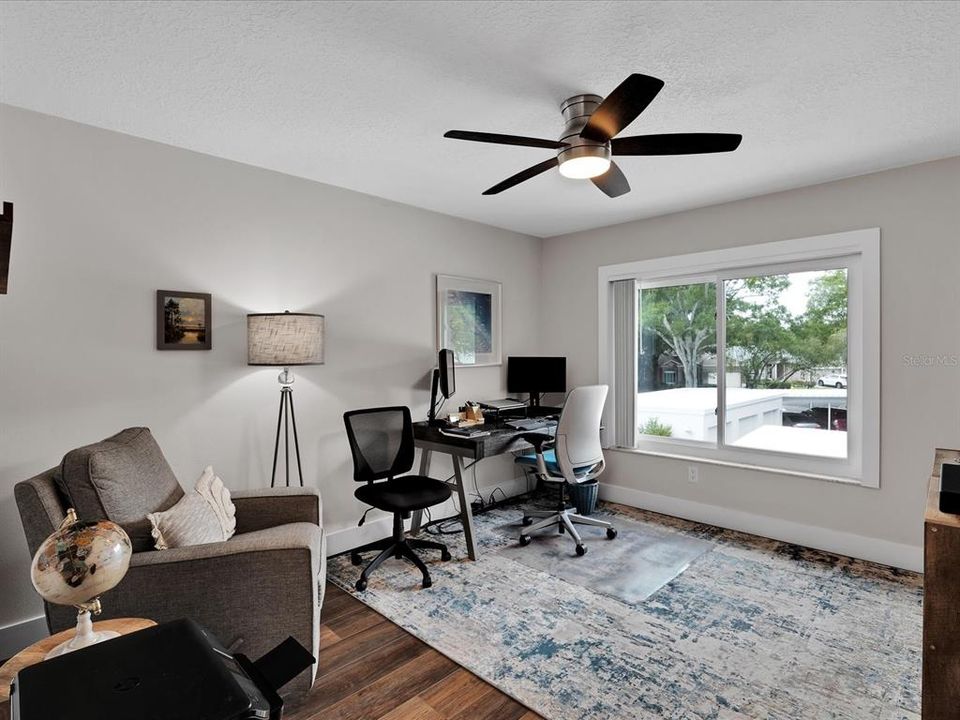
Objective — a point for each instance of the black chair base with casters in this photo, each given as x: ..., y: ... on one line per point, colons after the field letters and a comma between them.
x: 398, y: 546
x: 381, y: 441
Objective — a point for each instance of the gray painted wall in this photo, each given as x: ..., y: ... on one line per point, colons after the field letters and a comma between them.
x: 103, y: 220
x: 918, y: 211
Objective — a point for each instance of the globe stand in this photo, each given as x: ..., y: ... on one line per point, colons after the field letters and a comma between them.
x: 86, y: 635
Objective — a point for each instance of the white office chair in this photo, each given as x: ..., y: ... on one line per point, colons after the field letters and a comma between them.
x: 576, y: 457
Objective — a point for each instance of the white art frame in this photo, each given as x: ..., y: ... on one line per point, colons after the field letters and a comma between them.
x: 469, y: 320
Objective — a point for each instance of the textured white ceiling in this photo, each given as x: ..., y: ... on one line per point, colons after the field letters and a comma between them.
x: 358, y: 94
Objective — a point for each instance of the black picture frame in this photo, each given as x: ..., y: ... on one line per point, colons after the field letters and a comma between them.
x: 6, y: 232
x: 184, y: 334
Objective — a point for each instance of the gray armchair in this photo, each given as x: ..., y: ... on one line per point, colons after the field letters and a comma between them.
x: 252, y: 591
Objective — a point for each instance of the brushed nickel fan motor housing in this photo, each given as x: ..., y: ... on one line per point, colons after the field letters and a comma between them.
x: 576, y: 113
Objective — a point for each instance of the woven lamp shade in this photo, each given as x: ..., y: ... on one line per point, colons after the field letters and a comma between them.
x: 284, y: 339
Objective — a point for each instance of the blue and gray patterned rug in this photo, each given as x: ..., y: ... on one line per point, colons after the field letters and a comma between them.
x: 753, y: 628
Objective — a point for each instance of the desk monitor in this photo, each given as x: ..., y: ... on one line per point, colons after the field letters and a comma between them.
x: 444, y: 381
x: 448, y: 382
x: 536, y: 375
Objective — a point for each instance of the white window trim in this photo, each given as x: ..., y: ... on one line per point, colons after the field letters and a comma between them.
x: 862, y: 247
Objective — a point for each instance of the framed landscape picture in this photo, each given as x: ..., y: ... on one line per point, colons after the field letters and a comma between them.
x: 468, y: 319
x: 183, y: 320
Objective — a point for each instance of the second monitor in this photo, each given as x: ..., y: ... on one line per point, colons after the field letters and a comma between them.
x: 444, y: 382
x: 536, y: 375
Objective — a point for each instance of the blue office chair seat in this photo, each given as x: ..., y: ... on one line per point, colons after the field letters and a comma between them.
x: 550, y: 460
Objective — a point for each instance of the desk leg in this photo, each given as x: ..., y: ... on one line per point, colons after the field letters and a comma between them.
x: 466, y: 513
x: 417, y: 516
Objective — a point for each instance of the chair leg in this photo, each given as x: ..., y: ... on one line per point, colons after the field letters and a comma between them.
x: 581, y: 520
x: 355, y: 554
x: 419, y: 544
x: 415, y: 559
x: 571, y: 529
x: 374, y: 564
x: 554, y: 519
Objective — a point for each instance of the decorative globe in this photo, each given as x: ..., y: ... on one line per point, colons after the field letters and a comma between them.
x: 80, y: 561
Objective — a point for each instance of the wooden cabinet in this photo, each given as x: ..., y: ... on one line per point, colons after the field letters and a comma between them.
x: 941, y: 603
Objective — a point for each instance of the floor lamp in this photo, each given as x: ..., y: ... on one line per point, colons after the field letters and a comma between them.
x: 284, y: 340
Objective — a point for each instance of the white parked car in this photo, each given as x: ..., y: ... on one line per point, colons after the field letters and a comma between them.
x: 837, y: 381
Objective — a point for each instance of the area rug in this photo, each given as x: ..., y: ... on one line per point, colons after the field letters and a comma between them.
x: 754, y: 628
x: 642, y: 559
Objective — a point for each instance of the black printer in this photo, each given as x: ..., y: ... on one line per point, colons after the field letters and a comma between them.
x: 173, y: 671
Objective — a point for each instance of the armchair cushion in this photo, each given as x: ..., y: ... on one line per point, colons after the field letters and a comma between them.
x: 122, y: 478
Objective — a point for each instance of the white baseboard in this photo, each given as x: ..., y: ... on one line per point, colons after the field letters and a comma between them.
x: 15, y: 637
x: 339, y: 541
x: 909, y: 557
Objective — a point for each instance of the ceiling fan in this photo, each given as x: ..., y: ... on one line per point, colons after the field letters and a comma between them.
x: 587, y: 140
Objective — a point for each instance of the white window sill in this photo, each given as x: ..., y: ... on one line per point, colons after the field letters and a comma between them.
x: 742, y: 466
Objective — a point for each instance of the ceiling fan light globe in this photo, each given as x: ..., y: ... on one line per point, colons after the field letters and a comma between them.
x: 584, y: 167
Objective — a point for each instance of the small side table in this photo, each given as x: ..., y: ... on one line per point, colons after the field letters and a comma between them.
x: 36, y: 652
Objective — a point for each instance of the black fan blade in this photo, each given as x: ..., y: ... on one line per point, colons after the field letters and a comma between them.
x: 503, y: 139
x: 522, y: 175
x: 613, y: 182
x: 621, y: 107
x: 675, y: 144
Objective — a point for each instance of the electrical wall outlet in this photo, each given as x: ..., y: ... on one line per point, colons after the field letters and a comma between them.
x: 693, y: 474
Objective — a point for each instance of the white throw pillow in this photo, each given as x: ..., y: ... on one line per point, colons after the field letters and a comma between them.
x: 206, y: 515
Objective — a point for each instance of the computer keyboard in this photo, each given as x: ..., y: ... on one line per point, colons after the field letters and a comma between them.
x: 531, y: 424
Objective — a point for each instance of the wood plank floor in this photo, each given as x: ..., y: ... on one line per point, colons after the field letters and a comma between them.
x: 372, y: 669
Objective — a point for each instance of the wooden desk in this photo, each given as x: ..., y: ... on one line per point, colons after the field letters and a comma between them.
x: 941, y: 602
x: 36, y: 652
x: 502, y: 439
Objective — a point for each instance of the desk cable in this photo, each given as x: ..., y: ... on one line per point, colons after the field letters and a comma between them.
x: 453, y: 525
x: 439, y: 406
x: 442, y: 526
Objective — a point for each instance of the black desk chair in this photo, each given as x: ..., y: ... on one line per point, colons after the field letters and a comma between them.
x: 381, y: 440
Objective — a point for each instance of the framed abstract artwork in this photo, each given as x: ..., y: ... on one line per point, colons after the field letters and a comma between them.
x: 468, y: 319
x: 183, y: 320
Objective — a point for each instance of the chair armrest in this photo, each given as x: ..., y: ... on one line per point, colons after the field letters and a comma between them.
x: 289, y: 536
x: 271, y: 507
x: 538, y: 440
